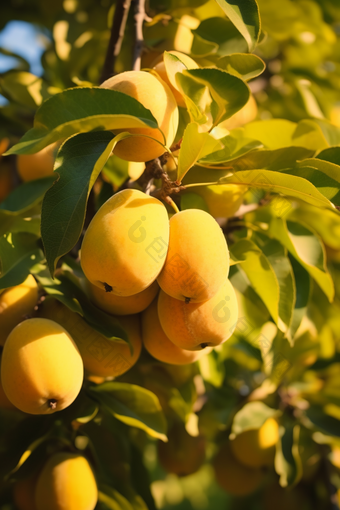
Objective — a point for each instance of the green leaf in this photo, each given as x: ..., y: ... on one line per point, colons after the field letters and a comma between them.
x: 252, y: 416
x: 305, y: 246
x: 332, y: 155
x: 248, y: 160
x: 116, y: 170
x: 201, y: 47
x: 26, y: 88
x: 10, y: 222
x: 112, y: 499
x: 14, y: 248
x: 22, y: 267
x: 273, y: 133
x: 194, y: 146
x: 252, y: 311
x: 27, y: 195
x: 243, y: 65
x: 322, y: 421
x: 308, y: 134
x: 79, y: 110
x: 308, y: 98
x: 244, y: 14
x: 212, y: 369
x: 83, y: 409
x: 235, y: 145
x: 133, y: 405
x: 323, y: 175
x: 277, y: 182
x: 173, y: 65
x: 265, y: 342
x: 277, y: 257
x: 260, y: 274
x: 329, y: 130
x: 22, y: 63
x: 19, y: 443
x: 78, y: 164
x: 193, y: 201
x: 141, y: 479
x: 303, y: 287
x: 217, y: 36
x: 195, y: 97
x: 288, y: 464
x: 326, y: 225
x: 228, y: 92
x: 66, y: 288
x: 217, y: 412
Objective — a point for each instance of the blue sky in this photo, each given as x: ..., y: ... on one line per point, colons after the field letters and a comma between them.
x: 24, y: 39
x: 27, y: 40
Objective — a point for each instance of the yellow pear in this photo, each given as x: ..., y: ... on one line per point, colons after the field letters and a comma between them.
x: 125, y: 245
x: 197, y: 262
x: 235, y: 478
x: 156, y: 96
x: 182, y: 454
x: 194, y: 326
x: 222, y: 200
x: 41, y: 367
x: 122, y: 305
x: 158, y: 344
x: 38, y: 165
x: 256, y: 447
x: 24, y: 492
x: 15, y: 302
x: 101, y: 357
x: 247, y: 114
x: 66, y: 482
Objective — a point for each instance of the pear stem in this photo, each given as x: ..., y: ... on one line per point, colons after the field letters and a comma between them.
x: 52, y: 403
x: 169, y: 201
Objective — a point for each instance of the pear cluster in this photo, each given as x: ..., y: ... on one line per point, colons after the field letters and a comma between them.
x: 173, y: 271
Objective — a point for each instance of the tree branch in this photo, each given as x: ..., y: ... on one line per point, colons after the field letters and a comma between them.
x: 116, y: 38
x: 139, y: 17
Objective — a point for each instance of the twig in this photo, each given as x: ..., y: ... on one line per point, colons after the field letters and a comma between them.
x: 169, y: 201
x: 139, y: 17
x: 116, y: 38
